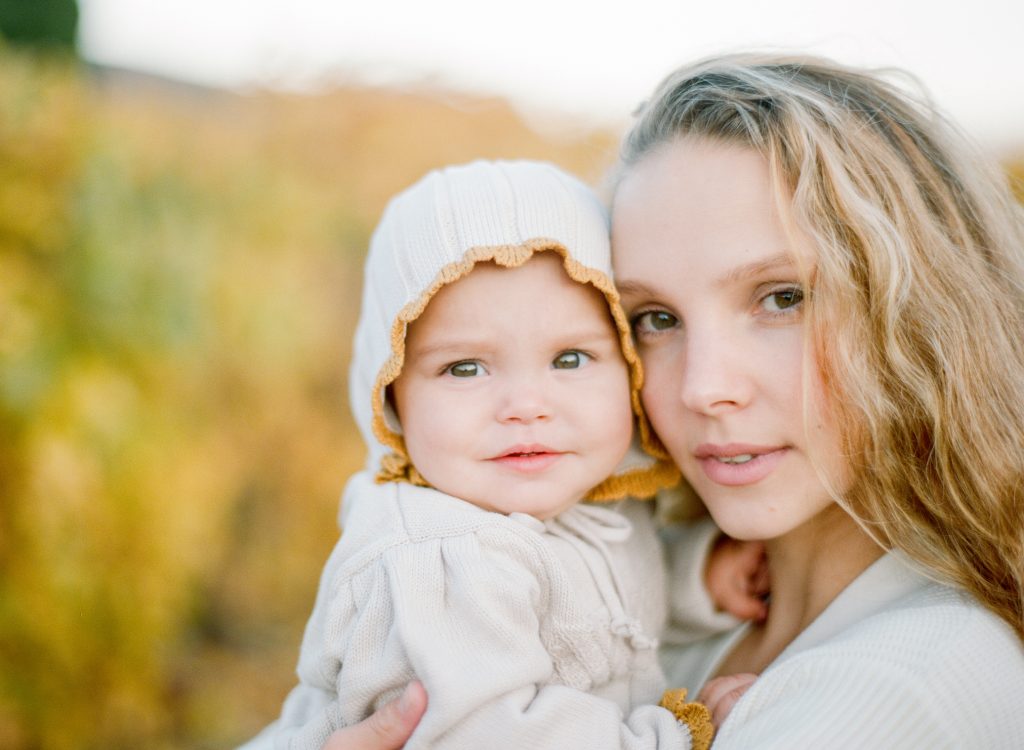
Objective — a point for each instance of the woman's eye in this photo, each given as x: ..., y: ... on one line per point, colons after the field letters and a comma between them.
x: 570, y: 360
x: 783, y: 299
x: 466, y: 369
x: 654, y: 321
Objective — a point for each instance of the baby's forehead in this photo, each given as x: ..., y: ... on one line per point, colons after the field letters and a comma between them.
x: 542, y: 278
x: 492, y: 296
x: 548, y: 262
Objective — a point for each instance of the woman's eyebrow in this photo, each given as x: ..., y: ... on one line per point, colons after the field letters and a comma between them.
x: 636, y: 289
x: 781, y: 260
x: 756, y: 268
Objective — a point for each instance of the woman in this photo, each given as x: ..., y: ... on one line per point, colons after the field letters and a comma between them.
x: 829, y: 300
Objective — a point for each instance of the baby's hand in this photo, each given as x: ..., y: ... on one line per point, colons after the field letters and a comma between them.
x: 736, y: 575
x: 721, y: 693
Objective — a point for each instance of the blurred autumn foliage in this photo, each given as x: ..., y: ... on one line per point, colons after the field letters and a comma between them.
x: 179, y: 277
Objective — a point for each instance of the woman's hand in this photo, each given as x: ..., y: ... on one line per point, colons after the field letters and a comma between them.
x: 387, y: 728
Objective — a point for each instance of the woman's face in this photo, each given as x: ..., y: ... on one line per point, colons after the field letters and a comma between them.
x: 712, y: 284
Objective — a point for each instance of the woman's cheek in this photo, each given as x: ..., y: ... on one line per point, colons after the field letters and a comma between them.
x: 660, y: 396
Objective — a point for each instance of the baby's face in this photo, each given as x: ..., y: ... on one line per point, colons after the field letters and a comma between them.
x: 514, y: 395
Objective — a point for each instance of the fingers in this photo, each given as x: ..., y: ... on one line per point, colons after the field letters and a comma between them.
x: 758, y: 568
x: 741, y: 603
x: 388, y: 728
x: 715, y: 688
x: 722, y: 693
x: 759, y: 583
x: 736, y: 575
x: 754, y: 584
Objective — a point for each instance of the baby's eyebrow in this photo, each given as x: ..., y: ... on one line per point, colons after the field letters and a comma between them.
x: 453, y: 346
x: 576, y: 335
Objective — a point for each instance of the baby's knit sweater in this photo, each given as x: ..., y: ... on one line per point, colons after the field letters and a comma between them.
x: 525, y: 633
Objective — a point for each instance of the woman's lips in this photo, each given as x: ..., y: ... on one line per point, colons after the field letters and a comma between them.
x: 738, y: 464
x: 528, y: 459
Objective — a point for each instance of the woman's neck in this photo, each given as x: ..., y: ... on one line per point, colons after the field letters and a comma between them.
x: 811, y: 565
x: 808, y: 568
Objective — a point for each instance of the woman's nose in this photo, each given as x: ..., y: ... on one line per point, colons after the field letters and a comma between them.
x: 714, y: 376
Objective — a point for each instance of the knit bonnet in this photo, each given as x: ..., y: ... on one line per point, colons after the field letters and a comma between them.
x: 432, y: 234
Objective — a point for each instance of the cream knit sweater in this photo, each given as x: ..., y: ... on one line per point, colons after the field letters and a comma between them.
x: 526, y: 634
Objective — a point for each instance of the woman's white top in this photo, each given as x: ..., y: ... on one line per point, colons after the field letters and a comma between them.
x: 896, y: 661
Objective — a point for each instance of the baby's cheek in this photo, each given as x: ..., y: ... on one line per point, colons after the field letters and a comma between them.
x: 620, y: 432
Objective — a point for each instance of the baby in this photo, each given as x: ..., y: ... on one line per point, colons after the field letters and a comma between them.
x: 496, y: 386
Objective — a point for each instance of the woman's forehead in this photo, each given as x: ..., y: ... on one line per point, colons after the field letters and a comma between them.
x: 713, y: 206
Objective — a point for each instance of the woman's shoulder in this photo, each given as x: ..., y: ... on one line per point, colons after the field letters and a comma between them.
x: 898, y: 660
x: 922, y: 623
x: 924, y: 650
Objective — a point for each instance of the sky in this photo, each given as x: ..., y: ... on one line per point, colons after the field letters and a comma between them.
x: 583, y: 58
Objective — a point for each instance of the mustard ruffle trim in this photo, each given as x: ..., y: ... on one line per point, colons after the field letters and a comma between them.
x: 641, y: 483
x: 695, y: 716
x: 396, y: 467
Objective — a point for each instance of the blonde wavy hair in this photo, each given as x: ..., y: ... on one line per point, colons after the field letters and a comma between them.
x: 916, y: 304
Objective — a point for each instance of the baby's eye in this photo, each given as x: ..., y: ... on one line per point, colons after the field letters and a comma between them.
x: 467, y: 369
x: 654, y: 321
x: 781, y: 300
x: 570, y: 360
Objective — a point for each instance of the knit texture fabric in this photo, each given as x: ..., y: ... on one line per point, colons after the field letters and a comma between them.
x: 525, y: 633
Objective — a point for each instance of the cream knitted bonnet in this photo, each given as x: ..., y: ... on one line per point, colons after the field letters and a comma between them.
x: 432, y: 234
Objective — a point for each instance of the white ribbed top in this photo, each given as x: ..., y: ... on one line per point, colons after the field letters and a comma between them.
x: 896, y: 661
